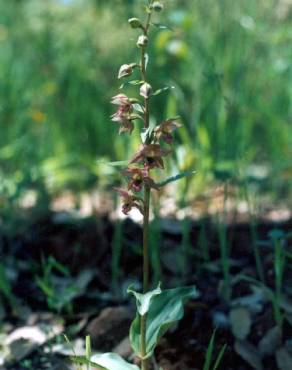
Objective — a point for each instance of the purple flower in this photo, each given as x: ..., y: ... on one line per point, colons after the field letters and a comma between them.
x: 139, y: 177
x: 151, y: 155
x: 165, y: 129
x: 123, y: 116
x: 130, y: 201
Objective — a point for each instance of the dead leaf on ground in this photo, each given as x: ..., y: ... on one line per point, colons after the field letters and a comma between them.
x: 240, y: 321
x: 286, y: 304
x: 109, y: 327
x: 270, y: 342
x: 249, y: 353
x: 23, y: 341
x: 124, y: 348
x: 254, y: 302
x: 284, y: 359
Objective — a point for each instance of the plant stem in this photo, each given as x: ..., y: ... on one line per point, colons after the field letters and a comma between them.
x: 144, y: 362
x: 145, y: 254
x: 147, y: 192
x: 145, y: 232
x: 146, y: 239
x: 146, y: 188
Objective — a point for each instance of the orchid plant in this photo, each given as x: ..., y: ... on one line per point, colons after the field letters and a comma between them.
x: 157, y: 309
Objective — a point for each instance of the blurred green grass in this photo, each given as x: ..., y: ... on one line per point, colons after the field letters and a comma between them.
x: 230, y: 63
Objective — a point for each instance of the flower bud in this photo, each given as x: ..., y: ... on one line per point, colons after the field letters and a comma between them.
x: 146, y: 90
x: 157, y: 6
x: 142, y: 41
x: 135, y: 23
x: 125, y: 70
x: 120, y: 99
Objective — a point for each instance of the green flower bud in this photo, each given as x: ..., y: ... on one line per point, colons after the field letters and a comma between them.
x: 135, y: 23
x: 142, y: 41
x: 157, y: 6
x: 125, y: 70
x: 146, y: 90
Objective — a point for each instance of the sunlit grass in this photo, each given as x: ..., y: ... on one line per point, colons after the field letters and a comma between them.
x: 229, y: 63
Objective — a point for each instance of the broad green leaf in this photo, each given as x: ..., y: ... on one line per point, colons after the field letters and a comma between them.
x: 176, y: 178
x: 111, y: 361
x: 82, y: 360
x: 164, y: 310
x: 143, y: 301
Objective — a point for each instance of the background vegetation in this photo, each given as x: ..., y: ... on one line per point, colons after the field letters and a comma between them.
x: 230, y: 64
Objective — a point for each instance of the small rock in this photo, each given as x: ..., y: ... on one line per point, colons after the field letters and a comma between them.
x: 20, y: 349
x: 124, y: 348
x: 109, y: 327
x: 220, y: 320
x: 30, y: 333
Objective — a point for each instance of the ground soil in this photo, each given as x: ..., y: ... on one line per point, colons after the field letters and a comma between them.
x: 187, y: 254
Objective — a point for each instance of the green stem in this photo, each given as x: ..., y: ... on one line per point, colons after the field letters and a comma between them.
x: 144, y: 362
x: 147, y: 188
x: 254, y: 234
x: 146, y: 239
x: 147, y: 191
x: 145, y: 234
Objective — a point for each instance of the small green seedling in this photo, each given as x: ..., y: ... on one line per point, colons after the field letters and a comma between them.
x: 6, y: 289
x: 275, y: 293
x: 277, y: 237
x: 210, y: 353
x: 57, y: 297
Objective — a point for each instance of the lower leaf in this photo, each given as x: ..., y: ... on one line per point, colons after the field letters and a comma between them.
x: 165, y: 309
x: 112, y: 361
x: 106, y: 361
